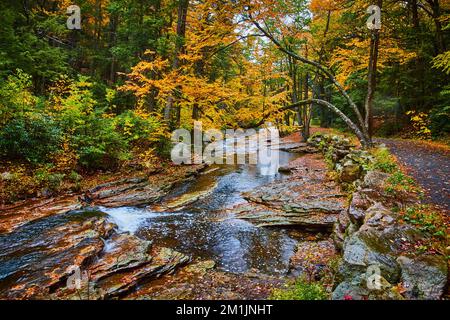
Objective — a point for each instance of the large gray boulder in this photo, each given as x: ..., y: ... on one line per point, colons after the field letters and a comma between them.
x: 380, y: 243
x: 423, y: 277
x: 357, y: 208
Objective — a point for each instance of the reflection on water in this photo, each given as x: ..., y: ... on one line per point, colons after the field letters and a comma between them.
x: 202, y: 231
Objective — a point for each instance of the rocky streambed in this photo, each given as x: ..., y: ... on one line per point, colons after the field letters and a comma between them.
x: 132, y: 231
x: 221, y: 232
x: 46, y: 241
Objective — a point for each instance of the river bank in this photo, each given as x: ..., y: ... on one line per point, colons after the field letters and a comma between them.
x: 226, y: 232
x: 52, y: 236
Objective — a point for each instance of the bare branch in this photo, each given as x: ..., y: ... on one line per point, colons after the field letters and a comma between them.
x: 336, y: 110
x: 319, y: 67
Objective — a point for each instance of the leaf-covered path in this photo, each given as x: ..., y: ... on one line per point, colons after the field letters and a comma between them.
x: 428, y: 164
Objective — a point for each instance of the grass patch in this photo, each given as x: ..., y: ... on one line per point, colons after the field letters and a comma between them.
x: 301, y: 290
x: 383, y: 161
x: 426, y: 219
x: 400, y: 184
x: 432, y: 223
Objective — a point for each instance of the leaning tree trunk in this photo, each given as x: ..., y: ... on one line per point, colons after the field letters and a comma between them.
x: 359, y: 134
x: 361, y: 131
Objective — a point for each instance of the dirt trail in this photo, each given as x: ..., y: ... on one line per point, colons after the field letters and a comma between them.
x: 429, y: 165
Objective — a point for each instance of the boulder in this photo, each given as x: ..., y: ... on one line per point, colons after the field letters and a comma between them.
x: 285, y: 169
x: 264, y: 217
x: 110, y: 280
x: 314, y: 205
x: 179, y: 202
x: 375, y: 180
x: 163, y: 260
x: 339, y: 153
x: 299, y: 148
x: 357, y: 209
x: 350, y: 171
x: 423, y: 277
x: 315, y: 140
x: 381, y: 241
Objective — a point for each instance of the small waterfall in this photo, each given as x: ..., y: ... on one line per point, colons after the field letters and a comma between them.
x: 129, y: 219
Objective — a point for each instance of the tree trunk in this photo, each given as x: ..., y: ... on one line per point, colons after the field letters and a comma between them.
x: 359, y: 134
x: 322, y: 69
x: 113, y: 23
x: 306, y: 110
x: 181, y: 32
x: 371, y: 77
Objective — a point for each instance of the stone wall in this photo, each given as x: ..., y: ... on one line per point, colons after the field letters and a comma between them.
x: 377, y: 247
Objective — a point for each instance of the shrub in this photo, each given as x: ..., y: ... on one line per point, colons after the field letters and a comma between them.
x: 98, y: 145
x: 15, y: 96
x: 440, y: 121
x: 45, y: 178
x: 17, y: 184
x: 426, y: 219
x: 33, y: 138
x: 139, y: 127
x: 399, y: 185
x: 383, y: 161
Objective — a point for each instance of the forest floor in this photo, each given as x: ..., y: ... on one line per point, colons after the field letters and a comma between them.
x: 428, y: 164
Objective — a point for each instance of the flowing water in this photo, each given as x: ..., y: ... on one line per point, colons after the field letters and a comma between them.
x: 205, y: 230
x: 202, y: 229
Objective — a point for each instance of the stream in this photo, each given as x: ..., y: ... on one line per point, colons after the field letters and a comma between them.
x: 192, y: 219
x: 205, y: 230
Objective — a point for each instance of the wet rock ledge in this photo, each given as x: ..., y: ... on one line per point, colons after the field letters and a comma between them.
x: 307, y: 199
x: 45, y: 242
x: 109, y: 264
x: 137, y: 190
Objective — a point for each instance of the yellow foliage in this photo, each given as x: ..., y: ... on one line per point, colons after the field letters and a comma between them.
x: 421, y: 123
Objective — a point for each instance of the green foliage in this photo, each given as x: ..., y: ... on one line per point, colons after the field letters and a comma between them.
x: 24, y: 43
x: 301, y: 290
x: 45, y: 178
x: 426, y: 219
x: 383, y: 161
x: 74, y: 177
x: 33, y: 138
x: 440, y: 121
x: 15, y: 96
x: 137, y: 128
x: 17, y: 185
x: 398, y: 183
x: 442, y: 61
x: 97, y: 143
x: 421, y: 124
x: 35, y: 133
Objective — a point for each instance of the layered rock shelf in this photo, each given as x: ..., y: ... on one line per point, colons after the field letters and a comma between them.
x: 308, y: 198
